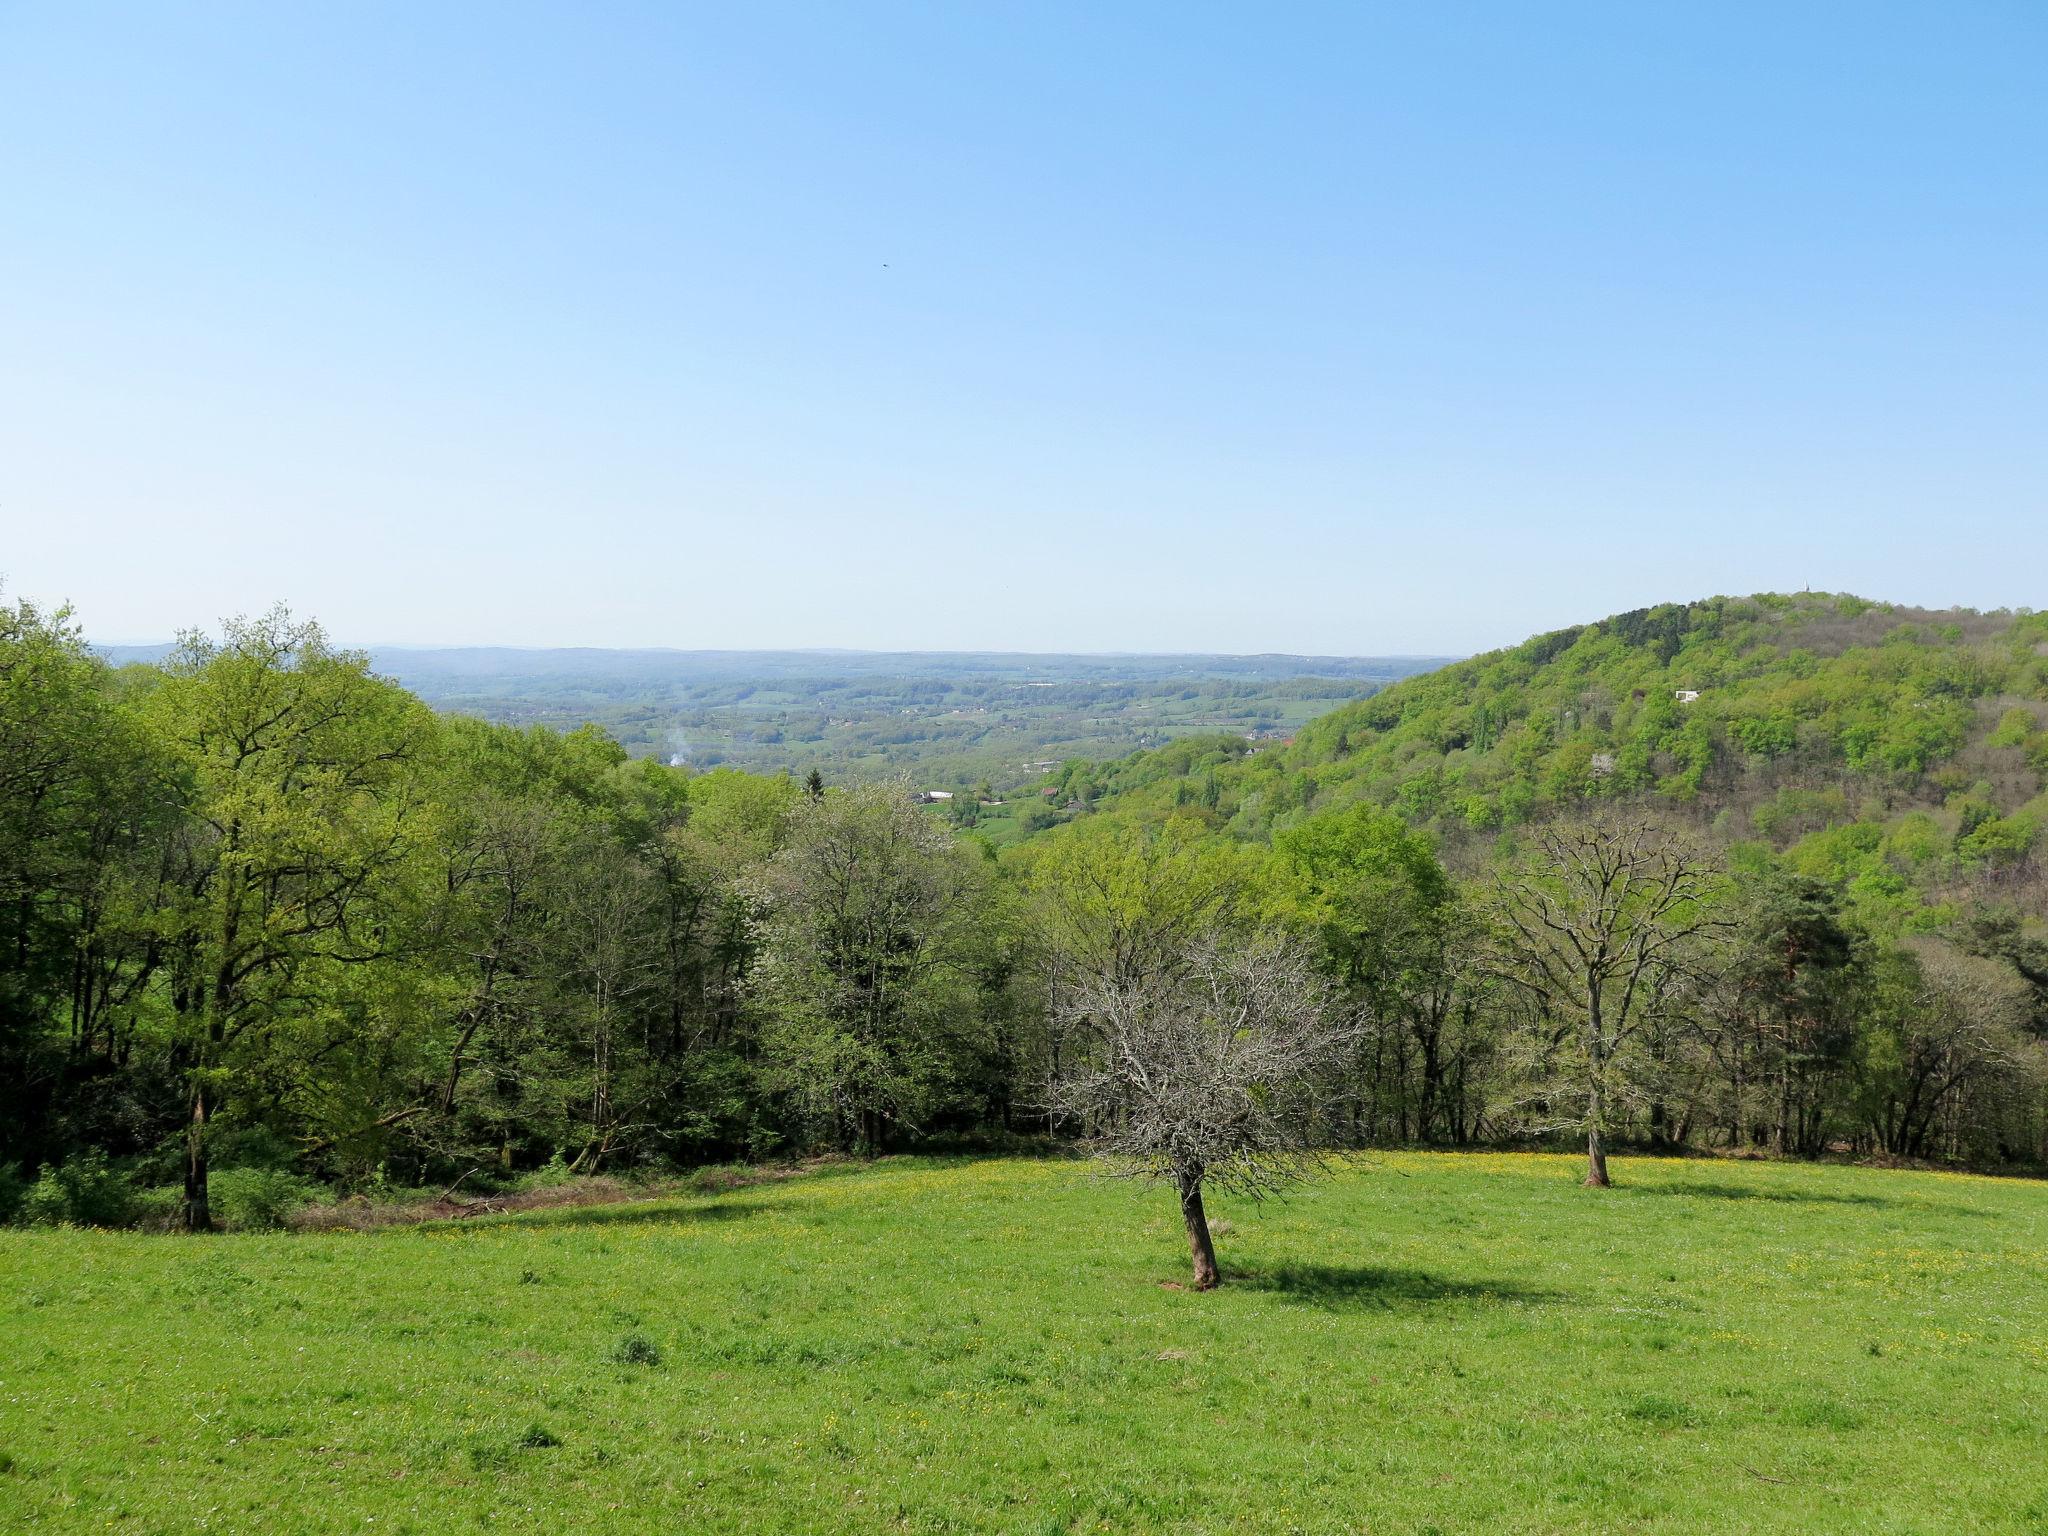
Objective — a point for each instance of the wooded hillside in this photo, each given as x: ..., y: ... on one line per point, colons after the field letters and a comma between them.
x: 1880, y: 741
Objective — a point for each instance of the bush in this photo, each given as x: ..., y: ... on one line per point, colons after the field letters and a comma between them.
x: 636, y: 1349
x: 82, y: 1191
x: 550, y: 1175
x: 257, y: 1199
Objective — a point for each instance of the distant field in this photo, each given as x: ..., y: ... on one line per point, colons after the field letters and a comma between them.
x: 1428, y: 1343
x: 949, y: 720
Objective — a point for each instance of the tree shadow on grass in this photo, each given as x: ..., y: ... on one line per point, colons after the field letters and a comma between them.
x: 1743, y: 1192
x: 1799, y: 1197
x: 623, y: 1213
x: 1344, y: 1286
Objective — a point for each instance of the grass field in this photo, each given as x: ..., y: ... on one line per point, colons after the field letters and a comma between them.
x: 1426, y: 1343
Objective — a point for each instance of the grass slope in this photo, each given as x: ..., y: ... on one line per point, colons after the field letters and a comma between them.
x: 1427, y: 1343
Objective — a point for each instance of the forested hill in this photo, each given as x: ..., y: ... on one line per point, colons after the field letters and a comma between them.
x: 1772, y: 717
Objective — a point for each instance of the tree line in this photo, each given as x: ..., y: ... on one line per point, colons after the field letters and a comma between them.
x: 260, y: 908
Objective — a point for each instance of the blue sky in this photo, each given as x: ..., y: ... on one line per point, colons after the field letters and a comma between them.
x: 1337, y: 328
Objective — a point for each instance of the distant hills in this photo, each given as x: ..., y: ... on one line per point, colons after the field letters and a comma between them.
x: 510, y: 666
x: 949, y: 718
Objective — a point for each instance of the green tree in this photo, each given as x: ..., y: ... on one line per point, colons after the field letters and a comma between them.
x: 1785, y: 1015
x: 867, y: 974
x: 81, y: 799
x: 1401, y: 941
x: 305, y: 773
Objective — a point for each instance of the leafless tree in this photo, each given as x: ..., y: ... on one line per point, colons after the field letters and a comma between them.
x: 1213, y: 1070
x: 1604, y: 929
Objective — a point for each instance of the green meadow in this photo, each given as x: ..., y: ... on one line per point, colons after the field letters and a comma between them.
x: 1424, y: 1343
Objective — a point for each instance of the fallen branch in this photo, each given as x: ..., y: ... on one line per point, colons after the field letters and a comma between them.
x: 447, y: 1195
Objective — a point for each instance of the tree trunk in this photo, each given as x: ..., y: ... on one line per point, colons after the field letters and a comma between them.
x: 1200, y: 1248
x: 1596, y: 1159
x: 1430, y: 1040
x: 197, y: 1215
x: 1596, y: 1154
x: 1596, y: 1115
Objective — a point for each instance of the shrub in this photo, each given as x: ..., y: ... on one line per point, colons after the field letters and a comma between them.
x: 82, y: 1191
x: 257, y: 1199
x: 636, y: 1349
x: 550, y: 1175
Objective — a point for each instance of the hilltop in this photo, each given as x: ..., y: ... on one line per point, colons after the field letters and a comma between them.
x: 1913, y: 734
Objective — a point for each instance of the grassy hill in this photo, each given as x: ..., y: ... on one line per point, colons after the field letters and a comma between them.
x: 1428, y: 1343
x: 1898, y: 736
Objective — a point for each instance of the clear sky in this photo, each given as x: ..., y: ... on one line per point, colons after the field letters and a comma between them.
x: 1345, y: 328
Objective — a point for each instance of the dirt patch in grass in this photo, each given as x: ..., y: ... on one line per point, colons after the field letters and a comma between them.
x: 362, y: 1213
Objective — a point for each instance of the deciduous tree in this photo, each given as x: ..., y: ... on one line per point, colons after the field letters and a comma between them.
x: 1209, y: 1071
x: 1603, y: 926
x: 304, y: 771
x: 866, y: 983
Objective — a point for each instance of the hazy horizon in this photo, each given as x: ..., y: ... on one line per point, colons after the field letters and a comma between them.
x: 1453, y: 653
x: 823, y: 650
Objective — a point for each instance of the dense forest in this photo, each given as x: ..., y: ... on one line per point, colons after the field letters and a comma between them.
x: 1749, y: 874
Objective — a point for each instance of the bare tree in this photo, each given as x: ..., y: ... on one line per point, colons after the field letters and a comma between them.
x: 1124, y: 905
x: 1210, y: 1070
x: 1604, y: 928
